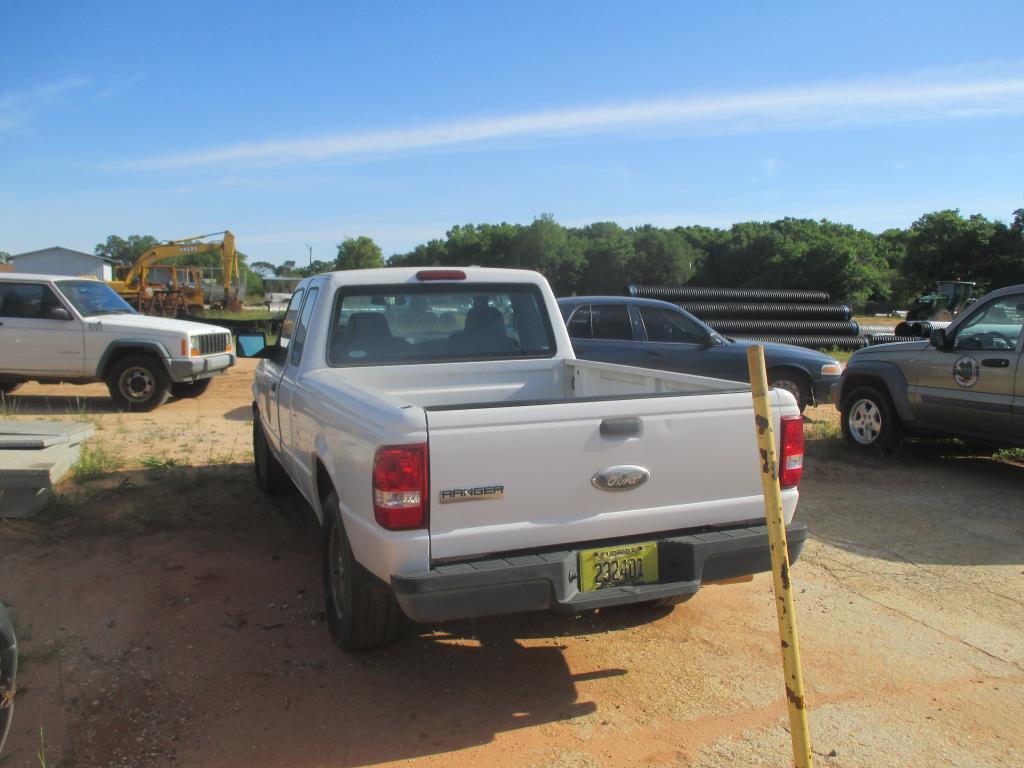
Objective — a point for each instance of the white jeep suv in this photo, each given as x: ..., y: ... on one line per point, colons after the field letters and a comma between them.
x: 78, y: 330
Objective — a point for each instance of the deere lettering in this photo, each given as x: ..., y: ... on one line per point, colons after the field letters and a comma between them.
x: 480, y: 493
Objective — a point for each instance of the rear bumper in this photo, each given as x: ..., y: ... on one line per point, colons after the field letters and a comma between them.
x: 194, y: 368
x: 543, y: 581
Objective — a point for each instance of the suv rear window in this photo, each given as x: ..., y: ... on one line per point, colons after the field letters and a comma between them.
x: 437, y: 323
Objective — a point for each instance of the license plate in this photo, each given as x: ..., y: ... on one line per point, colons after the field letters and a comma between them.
x: 618, y: 566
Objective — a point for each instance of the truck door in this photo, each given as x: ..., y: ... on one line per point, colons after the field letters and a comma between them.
x: 294, y: 447
x: 970, y: 386
x: 268, y: 373
x: 38, y: 334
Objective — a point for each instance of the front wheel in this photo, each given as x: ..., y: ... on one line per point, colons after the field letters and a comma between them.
x: 138, y: 383
x: 190, y: 388
x: 270, y: 475
x: 868, y: 420
x: 361, y: 612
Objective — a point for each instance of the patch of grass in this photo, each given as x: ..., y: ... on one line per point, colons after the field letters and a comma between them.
x: 1011, y: 454
x: 822, y: 430
x: 157, y: 462
x: 94, y: 463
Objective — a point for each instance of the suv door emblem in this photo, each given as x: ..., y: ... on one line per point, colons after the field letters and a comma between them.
x: 624, y: 477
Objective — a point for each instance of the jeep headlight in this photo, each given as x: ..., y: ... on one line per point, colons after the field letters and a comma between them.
x: 834, y: 368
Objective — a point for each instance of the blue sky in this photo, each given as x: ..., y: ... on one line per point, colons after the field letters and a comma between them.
x: 302, y: 125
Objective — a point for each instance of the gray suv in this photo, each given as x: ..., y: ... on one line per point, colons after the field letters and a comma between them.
x: 966, y: 381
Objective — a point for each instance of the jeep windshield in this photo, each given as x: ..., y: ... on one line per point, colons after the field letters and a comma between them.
x: 373, y: 325
x: 92, y: 298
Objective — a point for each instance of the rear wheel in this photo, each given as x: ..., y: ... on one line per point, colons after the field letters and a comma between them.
x: 668, y: 602
x: 270, y: 475
x: 793, y: 382
x: 190, y: 388
x: 138, y: 383
x: 868, y: 420
x: 361, y: 612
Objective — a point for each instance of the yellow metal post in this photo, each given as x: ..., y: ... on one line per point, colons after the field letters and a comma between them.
x: 784, y: 606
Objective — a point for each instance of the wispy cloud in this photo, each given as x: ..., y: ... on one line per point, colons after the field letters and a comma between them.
x: 17, y: 106
x: 819, y: 106
x: 122, y: 85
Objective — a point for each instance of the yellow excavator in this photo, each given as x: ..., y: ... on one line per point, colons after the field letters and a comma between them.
x: 171, y: 290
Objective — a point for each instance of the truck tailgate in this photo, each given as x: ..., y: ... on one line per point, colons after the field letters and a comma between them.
x: 518, y: 477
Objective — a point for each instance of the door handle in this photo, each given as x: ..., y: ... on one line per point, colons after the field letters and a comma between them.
x: 996, y: 362
x: 621, y: 427
x: 273, y: 387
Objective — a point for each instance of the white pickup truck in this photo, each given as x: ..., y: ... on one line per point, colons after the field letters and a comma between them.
x: 78, y: 330
x: 463, y: 463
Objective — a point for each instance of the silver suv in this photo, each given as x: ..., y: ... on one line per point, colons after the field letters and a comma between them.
x: 966, y: 381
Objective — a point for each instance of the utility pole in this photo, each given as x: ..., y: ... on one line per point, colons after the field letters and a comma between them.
x: 310, y: 247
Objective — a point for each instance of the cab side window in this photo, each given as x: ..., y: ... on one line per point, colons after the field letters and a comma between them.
x: 299, y: 340
x: 995, y: 328
x: 26, y: 300
x: 288, y: 324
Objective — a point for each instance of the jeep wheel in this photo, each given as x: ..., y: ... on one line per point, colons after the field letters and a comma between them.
x: 868, y: 420
x: 270, y: 475
x: 138, y: 383
x: 190, y: 388
x: 361, y: 612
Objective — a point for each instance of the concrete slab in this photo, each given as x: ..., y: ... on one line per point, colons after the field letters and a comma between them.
x: 35, y: 455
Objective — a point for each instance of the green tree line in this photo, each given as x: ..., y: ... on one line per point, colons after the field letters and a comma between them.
x: 853, y: 265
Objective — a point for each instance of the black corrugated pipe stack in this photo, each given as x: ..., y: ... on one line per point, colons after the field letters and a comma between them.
x: 677, y: 293
x: 804, y: 318
x: 709, y: 312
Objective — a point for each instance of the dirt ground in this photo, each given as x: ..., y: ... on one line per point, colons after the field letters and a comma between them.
x: 170, y: 615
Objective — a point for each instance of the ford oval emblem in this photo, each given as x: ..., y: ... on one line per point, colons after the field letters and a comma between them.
x: 621, y: 478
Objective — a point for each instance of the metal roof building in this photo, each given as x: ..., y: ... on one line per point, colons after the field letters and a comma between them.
x: 63, y: 261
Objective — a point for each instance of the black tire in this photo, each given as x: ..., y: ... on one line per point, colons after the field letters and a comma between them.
x: 270, y: 475
x: 8, y: 387
x: 190, y: 388
x: 361, y: 611
x: 138, y: 383
x: 670, y: 602
x: 793, y: 382
x: 869, y: 421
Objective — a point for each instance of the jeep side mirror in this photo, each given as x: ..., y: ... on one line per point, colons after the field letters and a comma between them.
x: 938, y: 338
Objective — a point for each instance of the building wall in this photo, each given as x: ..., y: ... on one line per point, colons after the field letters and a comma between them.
x: 60, y: 261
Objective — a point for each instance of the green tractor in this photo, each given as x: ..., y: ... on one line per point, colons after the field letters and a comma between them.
x: 949, y: 298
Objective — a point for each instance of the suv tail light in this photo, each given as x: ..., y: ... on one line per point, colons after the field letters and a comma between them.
x: 791, y: 456
x: 400, y: 487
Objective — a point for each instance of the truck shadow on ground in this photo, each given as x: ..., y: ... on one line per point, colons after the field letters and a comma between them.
x: 933, y: 502
x: 46, y: 405
x: 217, y: 603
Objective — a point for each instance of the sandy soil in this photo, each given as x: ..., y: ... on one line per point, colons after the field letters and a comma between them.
x: 170, y: 616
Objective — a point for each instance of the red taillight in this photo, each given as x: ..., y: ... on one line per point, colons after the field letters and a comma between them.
x: 440, y: 274
x: 791, y: 456
x: 400, y: 487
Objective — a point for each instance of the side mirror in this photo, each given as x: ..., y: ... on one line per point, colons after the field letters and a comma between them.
x: 58, y: 313
x: 938, y: 338
x: 252, y: 345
